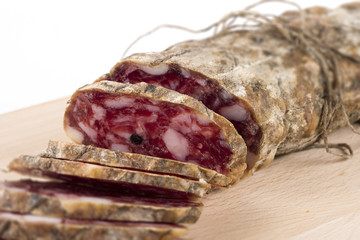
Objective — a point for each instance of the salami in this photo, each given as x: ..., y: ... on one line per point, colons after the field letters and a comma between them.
x: 109, y: 177
x: 64, y: 200
x: 155, y: 121
x: 125, y: 160
x: 25, y: 227
x: 272, y: 91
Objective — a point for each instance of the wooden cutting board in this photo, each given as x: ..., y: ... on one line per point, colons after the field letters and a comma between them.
x: 304, y: 195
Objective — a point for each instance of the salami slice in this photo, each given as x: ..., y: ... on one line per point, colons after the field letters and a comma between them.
x: 271, y: 91
x: 155, y: 121
x: 25, y: 227
x: 64, y: 200
x: 109, y: 177
x: 106, y: 157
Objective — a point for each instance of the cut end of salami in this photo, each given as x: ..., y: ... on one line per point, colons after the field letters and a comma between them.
x: 198, y: 86
x: 154, y: 121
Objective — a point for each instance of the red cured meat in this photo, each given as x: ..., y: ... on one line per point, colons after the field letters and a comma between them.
x: 126, y: 196
x: 196, y: 85
x: 140, y: 125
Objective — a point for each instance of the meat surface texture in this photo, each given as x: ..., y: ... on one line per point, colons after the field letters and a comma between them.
x: 270, y: 89
x: 64, y: 200
x: 149, y: 120
x: 196, y: 85
x: 29, y: 227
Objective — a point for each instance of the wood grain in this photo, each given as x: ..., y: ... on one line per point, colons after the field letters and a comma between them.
x: 304, y: 195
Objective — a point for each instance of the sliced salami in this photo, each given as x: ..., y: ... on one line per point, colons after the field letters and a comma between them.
x: 106, y: 157
x: 64, y: 200
x: 155, y: 121
x: 30, y: 227
x: 109, y: 177
x: 272, y: 91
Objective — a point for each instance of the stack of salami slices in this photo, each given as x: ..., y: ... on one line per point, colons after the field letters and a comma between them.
x: 99, y: 194
x: 144, y: 157
x: 161, y: 130
x: 158, y: 153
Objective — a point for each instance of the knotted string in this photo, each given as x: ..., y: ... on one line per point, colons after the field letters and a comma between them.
x: 327, y: 57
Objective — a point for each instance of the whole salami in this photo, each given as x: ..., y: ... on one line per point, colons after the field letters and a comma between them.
x: 272, y: 91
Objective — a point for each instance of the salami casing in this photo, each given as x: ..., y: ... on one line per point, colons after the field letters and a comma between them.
x: 109, y: 177
x: 155, y: 121
x: 272, y: 91
x: 64, y: 200
x: 25, y: 227
x: 106, y: 157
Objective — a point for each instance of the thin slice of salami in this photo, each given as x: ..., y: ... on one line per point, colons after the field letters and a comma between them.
x: 271, y: 91
x: 109, y: 177
x: 64, y: 200
x: 106, y: 157
x: 29, y: 227
x: 155, y: 121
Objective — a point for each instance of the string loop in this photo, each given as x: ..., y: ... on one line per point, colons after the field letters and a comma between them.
x: 327, y: 58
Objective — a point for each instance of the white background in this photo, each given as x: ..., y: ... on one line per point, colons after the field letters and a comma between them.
x: 48, y: 49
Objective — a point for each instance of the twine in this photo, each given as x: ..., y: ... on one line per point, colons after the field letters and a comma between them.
x: 326, y: 56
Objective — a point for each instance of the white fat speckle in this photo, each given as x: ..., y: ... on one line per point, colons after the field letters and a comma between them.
x: 140, y: 128
x: 113, y: 138
x: 185, y: 123
x: 174, y: 84
x: 216, y: 102
x: 234, y: 112
x: 119, y: 103
x: 153, y: 101
x: 98, y: 111
x: 182, y: 118
x: 201, y: 82
x: 176, y: 143
x: 119, y: 147
x: 202, y: 180
x: 77, y: 102
x: 74, y: 134
x: 89, y: 131
x: 202, y: 119
x: 155, y: 70
x: 185, y: 73
x: 225, y: 95
x: 223, y: 143
x: 153, y: 118
x: 194, y: 127
x: 152, y: 108
x: 207, y: 133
